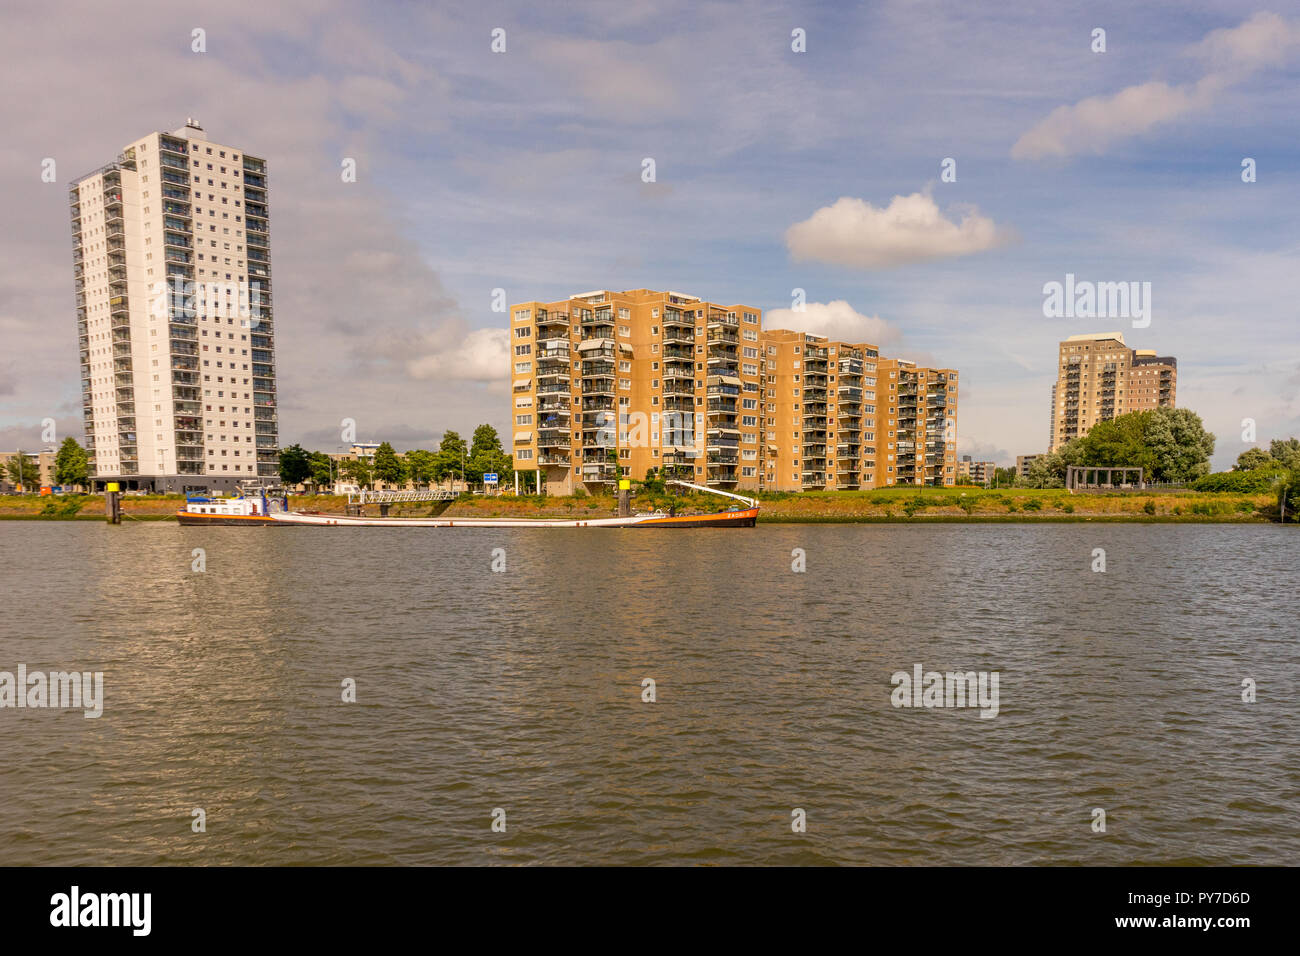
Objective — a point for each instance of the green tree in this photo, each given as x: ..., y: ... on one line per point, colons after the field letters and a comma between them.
x: 388, y: 467
x: 322, y: 469
x: 295, y: 465
x: 1004, y: 477
x: 422, y: 466
x: 487, y: 455
x: 1285, y: 451
x: 1117, y: 442
x: 1178, y: 446
x: 71, y: 464
x: 23, y: 470
x: 1252, y: 458
x: 485, y: 441
x: 451, y: 456
x: 1288, y: 496
x: 357, y: 471
x: 1046, y: 471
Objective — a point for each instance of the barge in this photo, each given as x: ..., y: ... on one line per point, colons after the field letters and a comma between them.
x: 258, y: 509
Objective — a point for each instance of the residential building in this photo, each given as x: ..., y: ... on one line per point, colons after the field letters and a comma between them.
x: 171, y: 265
x: 917, y: 420
x: 1099, y: 378
x: 1022, y: 464
x: 982, y: 472
x: 613, y: 384
x: 818, y: 412
x: 44, y: 461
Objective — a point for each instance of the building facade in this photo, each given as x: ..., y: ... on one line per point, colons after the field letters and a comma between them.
x: 981, y: 472
x: 1023, y: 462
x: 172, y: 272
x: 614, y: 384
x: 1099, y: 378
x: 617, y: 384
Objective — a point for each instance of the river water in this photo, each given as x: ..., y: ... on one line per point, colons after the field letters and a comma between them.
x: 521, y: 691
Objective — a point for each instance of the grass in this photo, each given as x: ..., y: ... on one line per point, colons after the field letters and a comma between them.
x: 916, y: 505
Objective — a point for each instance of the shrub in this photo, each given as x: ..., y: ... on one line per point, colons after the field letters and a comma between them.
x: 66, y: 507
x: 1255, y: 481
x: 1068, y: 508
x: 1032, y: 504
x: 1150, y: 506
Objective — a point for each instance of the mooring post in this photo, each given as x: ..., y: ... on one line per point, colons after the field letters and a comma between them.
x: 112, y: 503
x: 624, y: 498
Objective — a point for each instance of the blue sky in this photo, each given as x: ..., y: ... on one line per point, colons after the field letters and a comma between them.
x: 522, y: 170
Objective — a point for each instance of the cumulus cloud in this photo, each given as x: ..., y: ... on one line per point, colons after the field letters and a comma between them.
x: 836, y: 320
x: 854, y: 233
x: 482, y: 355
x: 1092, y: 125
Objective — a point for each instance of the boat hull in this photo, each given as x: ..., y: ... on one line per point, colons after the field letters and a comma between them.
x: 725, y: 519
x: 260, y: 521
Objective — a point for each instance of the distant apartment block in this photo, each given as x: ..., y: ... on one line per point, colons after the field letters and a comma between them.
x: 979, y: 471
x: 1022, y: 464
x: 1099, y: 378
x: 612, y: 384
x: 171, y: 265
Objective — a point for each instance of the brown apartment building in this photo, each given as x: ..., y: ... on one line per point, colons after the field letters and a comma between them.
x: 612, y: 384
x: 1099, y: 378
x: 838, y: 416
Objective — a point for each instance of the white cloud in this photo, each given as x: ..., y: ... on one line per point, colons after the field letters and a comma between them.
x: 1264, y: 40
x: 483, y: 355
x: 1092, y: 125
x: 836, y: 320
x: 852, y: 232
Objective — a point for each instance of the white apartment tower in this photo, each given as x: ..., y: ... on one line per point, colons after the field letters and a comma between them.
x: 172, y: 268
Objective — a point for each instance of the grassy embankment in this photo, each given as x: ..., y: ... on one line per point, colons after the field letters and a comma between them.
x: 878, y: 505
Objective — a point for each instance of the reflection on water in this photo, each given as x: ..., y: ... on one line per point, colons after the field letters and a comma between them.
x: 522, y: 690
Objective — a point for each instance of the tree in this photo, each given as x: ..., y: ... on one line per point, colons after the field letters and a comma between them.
x: 71, y: 464
x: 1286, y: 452
x: 487, y: 455
x: 1288, y: 496
x: 1004, y: 477
x: 1178, y: 446
x: 388, y: 467
x: 1047, y: 471
x: 357, y: 471
x: 485, y: 441
x: 1252, y: 458
x: 322, y: 469
x: 421, y: 465
x: 295, y: 465
x: 23, y: 470
x: 451, y: 455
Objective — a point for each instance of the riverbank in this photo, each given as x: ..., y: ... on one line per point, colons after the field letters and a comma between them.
x: 904, y: 505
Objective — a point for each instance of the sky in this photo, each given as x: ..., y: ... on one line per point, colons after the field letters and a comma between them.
x: 822, y: 170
